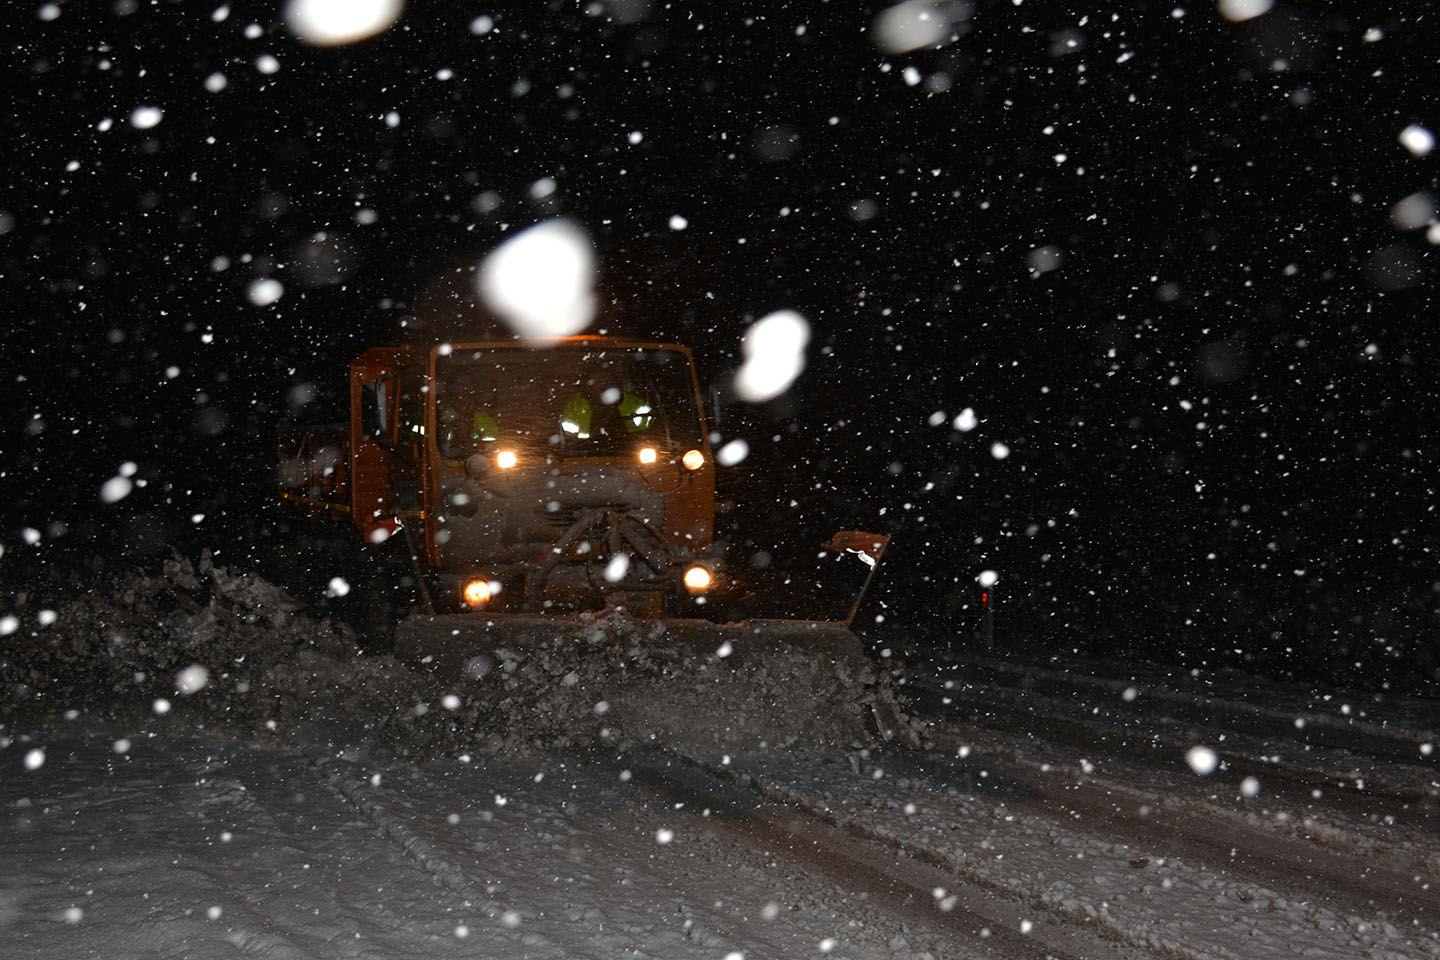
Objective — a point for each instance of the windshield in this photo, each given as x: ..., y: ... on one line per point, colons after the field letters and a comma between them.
x: 587, y: 401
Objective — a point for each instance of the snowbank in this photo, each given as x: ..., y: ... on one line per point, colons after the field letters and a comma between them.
x: 205, y: 645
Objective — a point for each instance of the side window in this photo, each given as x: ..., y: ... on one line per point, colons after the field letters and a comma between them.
x: 376, y: 410
x: 413, y: 392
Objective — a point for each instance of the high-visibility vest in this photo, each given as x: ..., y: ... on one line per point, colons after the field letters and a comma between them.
x: 484, y: 427
x: 575, y: 418
x: 635, y: 412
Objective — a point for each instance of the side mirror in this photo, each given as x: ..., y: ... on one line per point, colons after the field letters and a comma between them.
x: 712, y: 405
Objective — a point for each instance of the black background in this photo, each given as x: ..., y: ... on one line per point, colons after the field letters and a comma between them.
x: 1218, y: 408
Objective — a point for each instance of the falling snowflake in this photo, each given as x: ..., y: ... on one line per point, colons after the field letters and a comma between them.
x: 1238, y: 10
x: 1202, y: 760
x: 264, y: 292
x: 192, y: 679
x: 1417, y: 140
x: 143, y: 118
x: 774, y: 351
x: 541, y: 281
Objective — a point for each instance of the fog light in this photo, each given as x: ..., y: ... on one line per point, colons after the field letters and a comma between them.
x: 475, y: 593
x: 506, y: 459
x: 693, y: 460
x: 648, y: 454
x: 697, y: 579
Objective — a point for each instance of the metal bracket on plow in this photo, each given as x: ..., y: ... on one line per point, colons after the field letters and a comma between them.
x: 426, y: 600
x: 621, y: 528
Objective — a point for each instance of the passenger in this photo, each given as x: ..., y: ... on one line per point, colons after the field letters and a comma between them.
x: 635, y: 413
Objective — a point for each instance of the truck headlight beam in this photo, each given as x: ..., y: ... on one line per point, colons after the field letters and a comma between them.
x: 475, y: 593
x: 697, y: 579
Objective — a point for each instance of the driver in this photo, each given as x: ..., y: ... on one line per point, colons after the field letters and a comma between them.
x: 462, y: 422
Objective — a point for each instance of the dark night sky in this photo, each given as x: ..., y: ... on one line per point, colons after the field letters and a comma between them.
x: 1218, y: 407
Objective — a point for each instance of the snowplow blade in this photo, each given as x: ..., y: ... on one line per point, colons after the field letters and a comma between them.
x: 717, y: 688
x: 618, y: 680
x: 448, y: 643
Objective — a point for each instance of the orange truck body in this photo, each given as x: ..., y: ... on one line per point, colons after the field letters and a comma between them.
x: 562, y: 475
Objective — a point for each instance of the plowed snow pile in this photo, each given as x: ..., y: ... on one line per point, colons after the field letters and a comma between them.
x: 204, y: 645
x: 621, y: 682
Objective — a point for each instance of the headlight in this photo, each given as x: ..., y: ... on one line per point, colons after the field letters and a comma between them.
x: 506, y: 459
x: 693, y: 460
x: 697, y: 579
x: 648, y: 455
x: 475, y: 593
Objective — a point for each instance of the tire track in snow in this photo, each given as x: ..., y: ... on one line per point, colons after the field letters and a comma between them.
x: 576, y: 826
x: 1388, y: 730
x: 1366, y: 759
x: 1329, y: 849
x: 1147, y: 932
x: 444, y: 871
x: 1224, y: 840
x: 266, y: 793
x: 1358, y: 793
x: 974, y: 916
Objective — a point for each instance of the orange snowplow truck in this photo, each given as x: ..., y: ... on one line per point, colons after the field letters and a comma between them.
x: 534, y: 480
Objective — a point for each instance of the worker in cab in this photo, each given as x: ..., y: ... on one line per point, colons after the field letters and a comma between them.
x: 463, y: 424
x: 578, y: 418
x: 635, y: 413
x: 483, y: 428
x: 460, y: 431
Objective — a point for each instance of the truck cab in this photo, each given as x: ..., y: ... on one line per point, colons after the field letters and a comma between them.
x: 556, y: 475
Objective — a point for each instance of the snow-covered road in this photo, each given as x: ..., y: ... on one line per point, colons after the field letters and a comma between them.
x: 183, y: 847
x: 304, y: 802
x: 1004, y: 845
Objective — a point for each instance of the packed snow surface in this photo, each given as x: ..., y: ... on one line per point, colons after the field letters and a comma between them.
x: 193, y: 764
